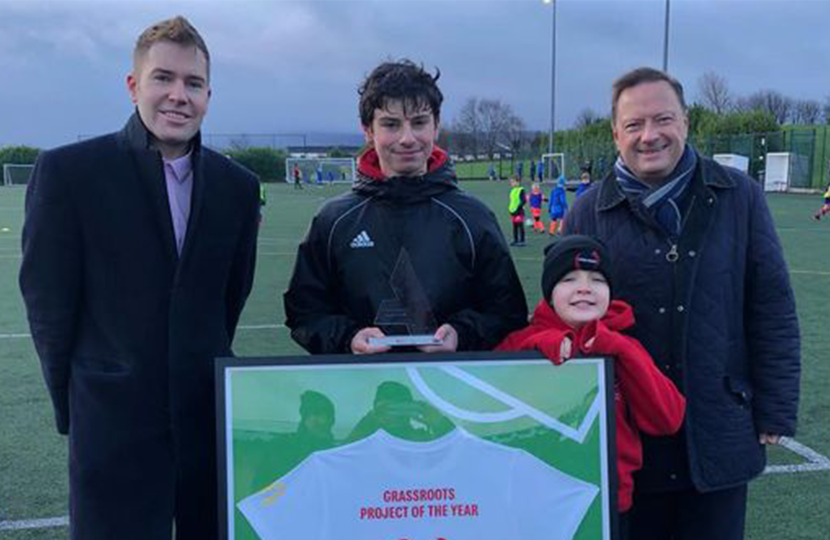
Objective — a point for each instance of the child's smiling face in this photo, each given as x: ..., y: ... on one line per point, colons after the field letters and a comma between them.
x: 581, y: 296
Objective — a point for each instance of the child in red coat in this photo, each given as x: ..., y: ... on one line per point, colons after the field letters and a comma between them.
x: 576, y: 317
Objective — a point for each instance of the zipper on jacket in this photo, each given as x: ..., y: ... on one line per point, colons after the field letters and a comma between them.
x: 672, y: 256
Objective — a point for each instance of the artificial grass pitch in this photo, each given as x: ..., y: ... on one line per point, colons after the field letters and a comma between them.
x: 33, y: 472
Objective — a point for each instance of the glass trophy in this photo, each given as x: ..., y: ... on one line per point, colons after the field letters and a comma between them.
x: 410, y: 309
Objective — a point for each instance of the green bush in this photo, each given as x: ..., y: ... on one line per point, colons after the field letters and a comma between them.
x: 22, y: 155
x: 268, y: 163
x: 338, y: 152
x: 735, y: 123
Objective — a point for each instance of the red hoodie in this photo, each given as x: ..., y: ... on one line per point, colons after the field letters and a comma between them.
x: 368, y: 162
x: 644, y: 399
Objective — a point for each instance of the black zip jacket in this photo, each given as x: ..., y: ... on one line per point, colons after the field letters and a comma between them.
x: 343, y: 267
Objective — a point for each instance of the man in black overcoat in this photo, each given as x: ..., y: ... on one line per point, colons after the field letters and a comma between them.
x: 138, y: 256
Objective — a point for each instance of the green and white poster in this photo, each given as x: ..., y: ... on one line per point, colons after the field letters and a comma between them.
x: 416, y: 447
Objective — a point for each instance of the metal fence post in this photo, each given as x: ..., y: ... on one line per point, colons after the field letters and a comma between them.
x: 823, y: 163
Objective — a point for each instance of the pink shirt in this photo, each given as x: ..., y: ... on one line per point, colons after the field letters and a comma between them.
x: 179, y: 176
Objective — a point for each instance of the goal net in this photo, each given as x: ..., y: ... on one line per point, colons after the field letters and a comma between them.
x: 554, y: 166
x: 15, y: 174
x: 321, y: 170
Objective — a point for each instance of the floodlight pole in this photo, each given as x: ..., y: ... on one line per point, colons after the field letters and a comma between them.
x: 666, y: 41
x: 552, y: 74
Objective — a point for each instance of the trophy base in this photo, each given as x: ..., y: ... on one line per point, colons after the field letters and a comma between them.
x: 406, y: 341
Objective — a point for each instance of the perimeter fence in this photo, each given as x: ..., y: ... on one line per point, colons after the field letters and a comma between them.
x: 809, y: 145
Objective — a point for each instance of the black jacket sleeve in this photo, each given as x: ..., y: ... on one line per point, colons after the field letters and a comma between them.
x: 312, y: 313
x: 51, y: 276
x: 498, y: 306
x: 241, y: 278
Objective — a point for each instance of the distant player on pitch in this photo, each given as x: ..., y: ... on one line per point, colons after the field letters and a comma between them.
x: 557, y: 206
x: 536, y: 199
x: 824, y: 207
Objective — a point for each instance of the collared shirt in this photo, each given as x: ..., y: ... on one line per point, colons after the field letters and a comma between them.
x: 179, y: 176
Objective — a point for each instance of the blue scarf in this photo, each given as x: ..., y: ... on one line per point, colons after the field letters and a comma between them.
x: 661, y: 202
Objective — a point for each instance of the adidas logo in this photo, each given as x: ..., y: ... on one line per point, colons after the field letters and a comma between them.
x: 362, y: 240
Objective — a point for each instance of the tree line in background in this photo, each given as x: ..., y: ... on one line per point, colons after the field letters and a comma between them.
x: 268, y: 163
x: 22, y: 155
x: 485, y: 128
x: 714, y: 94
x: 490, y: 126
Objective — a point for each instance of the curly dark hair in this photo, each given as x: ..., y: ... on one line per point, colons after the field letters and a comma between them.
x: 402, y: 80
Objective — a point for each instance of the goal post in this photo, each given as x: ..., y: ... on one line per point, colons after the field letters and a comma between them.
x: 554, y: 166
x: 17, y: 174
x: 322, y: 170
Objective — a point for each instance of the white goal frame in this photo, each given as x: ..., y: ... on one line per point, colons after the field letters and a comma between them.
x: 10, y: 179
x: 558, y: 160
x: 335, y: 170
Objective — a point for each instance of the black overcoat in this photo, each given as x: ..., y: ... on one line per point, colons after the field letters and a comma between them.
x: 127, y: 329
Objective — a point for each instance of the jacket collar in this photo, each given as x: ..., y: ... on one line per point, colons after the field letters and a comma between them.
x: 137, y: 137
x: 713, y: 176
x: 439, y: 179
x: 368, y: 162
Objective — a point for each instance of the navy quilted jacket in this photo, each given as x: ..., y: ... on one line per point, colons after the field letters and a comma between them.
x: 716, y: 311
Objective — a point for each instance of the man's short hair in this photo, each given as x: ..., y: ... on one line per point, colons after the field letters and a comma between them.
x: 177, y: 30
x: 403, y: 80
x: 639, y: 76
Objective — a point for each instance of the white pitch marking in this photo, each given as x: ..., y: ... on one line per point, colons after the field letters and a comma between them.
x: 810, y: 272
x: 260, y: 326
x: 34, y: 523
x: 240, y: 327
x: 15, y: 336
x: 261, y: 253
x: 517, y: 408
x: 815, y: 461
x: 801, y: 229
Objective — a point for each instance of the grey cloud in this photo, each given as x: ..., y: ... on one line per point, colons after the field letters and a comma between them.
x: 295, y: 65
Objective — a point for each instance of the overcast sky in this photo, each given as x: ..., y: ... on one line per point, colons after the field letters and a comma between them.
x: 294, y: 66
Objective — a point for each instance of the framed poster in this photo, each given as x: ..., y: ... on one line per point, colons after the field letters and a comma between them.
x: 464, y: 446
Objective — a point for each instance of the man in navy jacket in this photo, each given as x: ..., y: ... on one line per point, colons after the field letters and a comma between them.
x: 138, y: 256
x: 696, y: 253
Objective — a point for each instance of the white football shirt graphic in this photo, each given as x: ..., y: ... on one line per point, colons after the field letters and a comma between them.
x: 458, y: 487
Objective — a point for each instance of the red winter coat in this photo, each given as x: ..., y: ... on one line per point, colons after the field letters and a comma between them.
x: 645, y: 399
